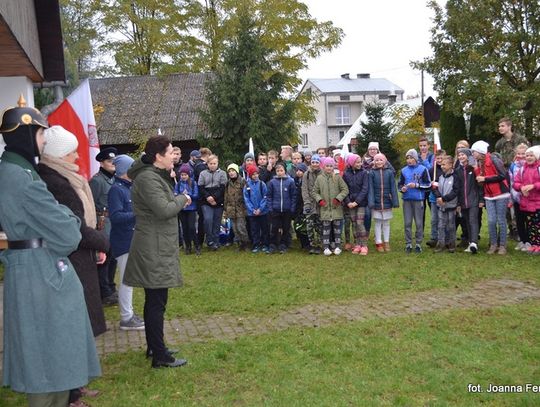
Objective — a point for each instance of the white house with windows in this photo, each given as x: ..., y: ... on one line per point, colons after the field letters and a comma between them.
x: 339, y: 102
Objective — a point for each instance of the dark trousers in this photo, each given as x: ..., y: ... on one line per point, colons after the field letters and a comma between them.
x: 521, y: 223
x: 106, y: 272
x: 259, y: 230
x: 155, y: 301
x: 189, y: 227
x: 280, y: 229
x: 200, y: 226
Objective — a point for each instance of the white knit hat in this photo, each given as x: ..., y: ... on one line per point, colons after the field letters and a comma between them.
x: 373, y: 144
x: 59, y: 142
x: 480, y: 146
x: 535, y: 150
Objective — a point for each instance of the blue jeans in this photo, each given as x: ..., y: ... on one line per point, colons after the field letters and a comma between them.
x: 212, y: 222
x: 496, y: 212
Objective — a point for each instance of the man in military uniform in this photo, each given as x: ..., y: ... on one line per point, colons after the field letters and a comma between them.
x: 49, y: 347
x: 100, y: 184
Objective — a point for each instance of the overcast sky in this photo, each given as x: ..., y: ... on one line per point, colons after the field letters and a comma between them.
x: 381, y: 38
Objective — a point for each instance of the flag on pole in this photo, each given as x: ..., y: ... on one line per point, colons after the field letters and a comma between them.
x: 251, y: 149
x: 76, y: 114
x: 436, y: 141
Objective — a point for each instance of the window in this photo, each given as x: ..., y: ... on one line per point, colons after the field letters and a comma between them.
x: 343, y: 114
x: 305, y: 139
x: 341, y: 134
x: 344, y: 97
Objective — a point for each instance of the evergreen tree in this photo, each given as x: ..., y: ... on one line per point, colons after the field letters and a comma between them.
x: 452, y: 130
x: 245, y: 99
x: 376, y: 130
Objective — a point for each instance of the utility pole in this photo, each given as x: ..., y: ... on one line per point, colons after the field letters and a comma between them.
x: 422, y: 100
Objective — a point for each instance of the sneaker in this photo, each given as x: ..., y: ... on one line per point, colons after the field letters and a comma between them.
x: 255, y: 249
x: 502, y: 250
x: 473, y: 248
x: 492, y: 249
x: 519, y: 246
x: 386, y: 246
x: 110, y: 300
x: 526, y: 247
x: 337, y: 251
x: 439, y: 248
x: 271, y: 250
x: 468, y: 249
x: 348, y: 246
x: 327, y: 252
x: 133, y: 324
x: 364, y: 251
x: 379, y: 247
x: 265, y: 249
x: 408, y: 249
x: 418, y: 249
x: 316, y: 250
x: 356, y: 249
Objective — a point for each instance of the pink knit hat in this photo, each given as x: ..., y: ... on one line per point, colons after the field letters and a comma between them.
x: 380, y: 155
x: 351, y: 159
x: 327, y: 161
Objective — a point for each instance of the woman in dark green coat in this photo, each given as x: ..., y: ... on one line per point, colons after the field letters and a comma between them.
x: 153, y: 261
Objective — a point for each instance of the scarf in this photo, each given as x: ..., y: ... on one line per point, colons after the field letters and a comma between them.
x: 79, y: 184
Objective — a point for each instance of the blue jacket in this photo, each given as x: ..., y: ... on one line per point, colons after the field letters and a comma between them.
x: 281, y: 195
x: 418, y: 174
x: 193, y: 191
x: 382, y: 189
x: 357, y: 181
x: 121, y: 216
x: 255, y: 197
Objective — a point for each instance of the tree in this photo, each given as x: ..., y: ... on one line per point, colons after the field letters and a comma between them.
x: 82, y: 32
x: 488, y: 52
x: 452, y: 130
x: 407, y: 128
x: 285, y: 27
x: 146, y: 34
x: 376, y: 129
x: 245, y: 99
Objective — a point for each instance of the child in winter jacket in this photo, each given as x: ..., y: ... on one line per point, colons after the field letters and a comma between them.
x: 357, y: 200
x: 299, y: 223
x: 491, y: 174
x: 235, y: 208
x: 281, y: 197
x: 257, y: 209
x: 212, y: 191
x: 382, y: 197
x: 329, y: 192
x: 519, y: 216
x: 188, y: 215
x: 527, y: 182
x: 434, y: 173
x: 447, y: 192
x: 471, y: 197
x: 311, y: 207
x: 413, y: 183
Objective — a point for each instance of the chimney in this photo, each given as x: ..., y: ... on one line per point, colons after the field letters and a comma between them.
x: 392, y: 97
x: 363, y: 75
x: 345, y: 76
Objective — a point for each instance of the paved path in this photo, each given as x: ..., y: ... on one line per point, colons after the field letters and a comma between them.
x: 486, y: 294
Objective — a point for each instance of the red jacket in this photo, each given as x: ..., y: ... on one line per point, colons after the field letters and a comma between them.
x: 527, y: 175
x: 493, y: 169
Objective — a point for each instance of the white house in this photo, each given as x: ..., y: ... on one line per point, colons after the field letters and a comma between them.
x: 339, y: 102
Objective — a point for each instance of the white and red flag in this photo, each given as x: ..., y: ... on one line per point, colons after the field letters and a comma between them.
x: 76, y: 114
x: 436, y: 140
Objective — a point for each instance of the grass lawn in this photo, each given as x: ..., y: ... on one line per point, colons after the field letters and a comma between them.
x: 415, y: 360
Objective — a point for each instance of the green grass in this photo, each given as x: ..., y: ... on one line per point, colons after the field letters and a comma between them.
x: 409, y: 361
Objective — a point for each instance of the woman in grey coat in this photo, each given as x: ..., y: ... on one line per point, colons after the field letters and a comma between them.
x: 153, y: 261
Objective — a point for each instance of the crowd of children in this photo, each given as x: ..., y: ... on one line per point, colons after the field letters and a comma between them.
x: 321, y: 196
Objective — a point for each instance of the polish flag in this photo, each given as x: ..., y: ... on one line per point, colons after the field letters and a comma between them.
x: 436, y: 140
x: 76, y: 114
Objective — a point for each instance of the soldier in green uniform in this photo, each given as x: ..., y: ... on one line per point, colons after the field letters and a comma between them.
x: 49, y: 347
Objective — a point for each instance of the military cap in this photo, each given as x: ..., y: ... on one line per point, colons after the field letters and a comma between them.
x: 106, y: 153
x: 22, y: 115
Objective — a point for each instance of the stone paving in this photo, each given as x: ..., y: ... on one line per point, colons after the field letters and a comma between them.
x: 485, y: 294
